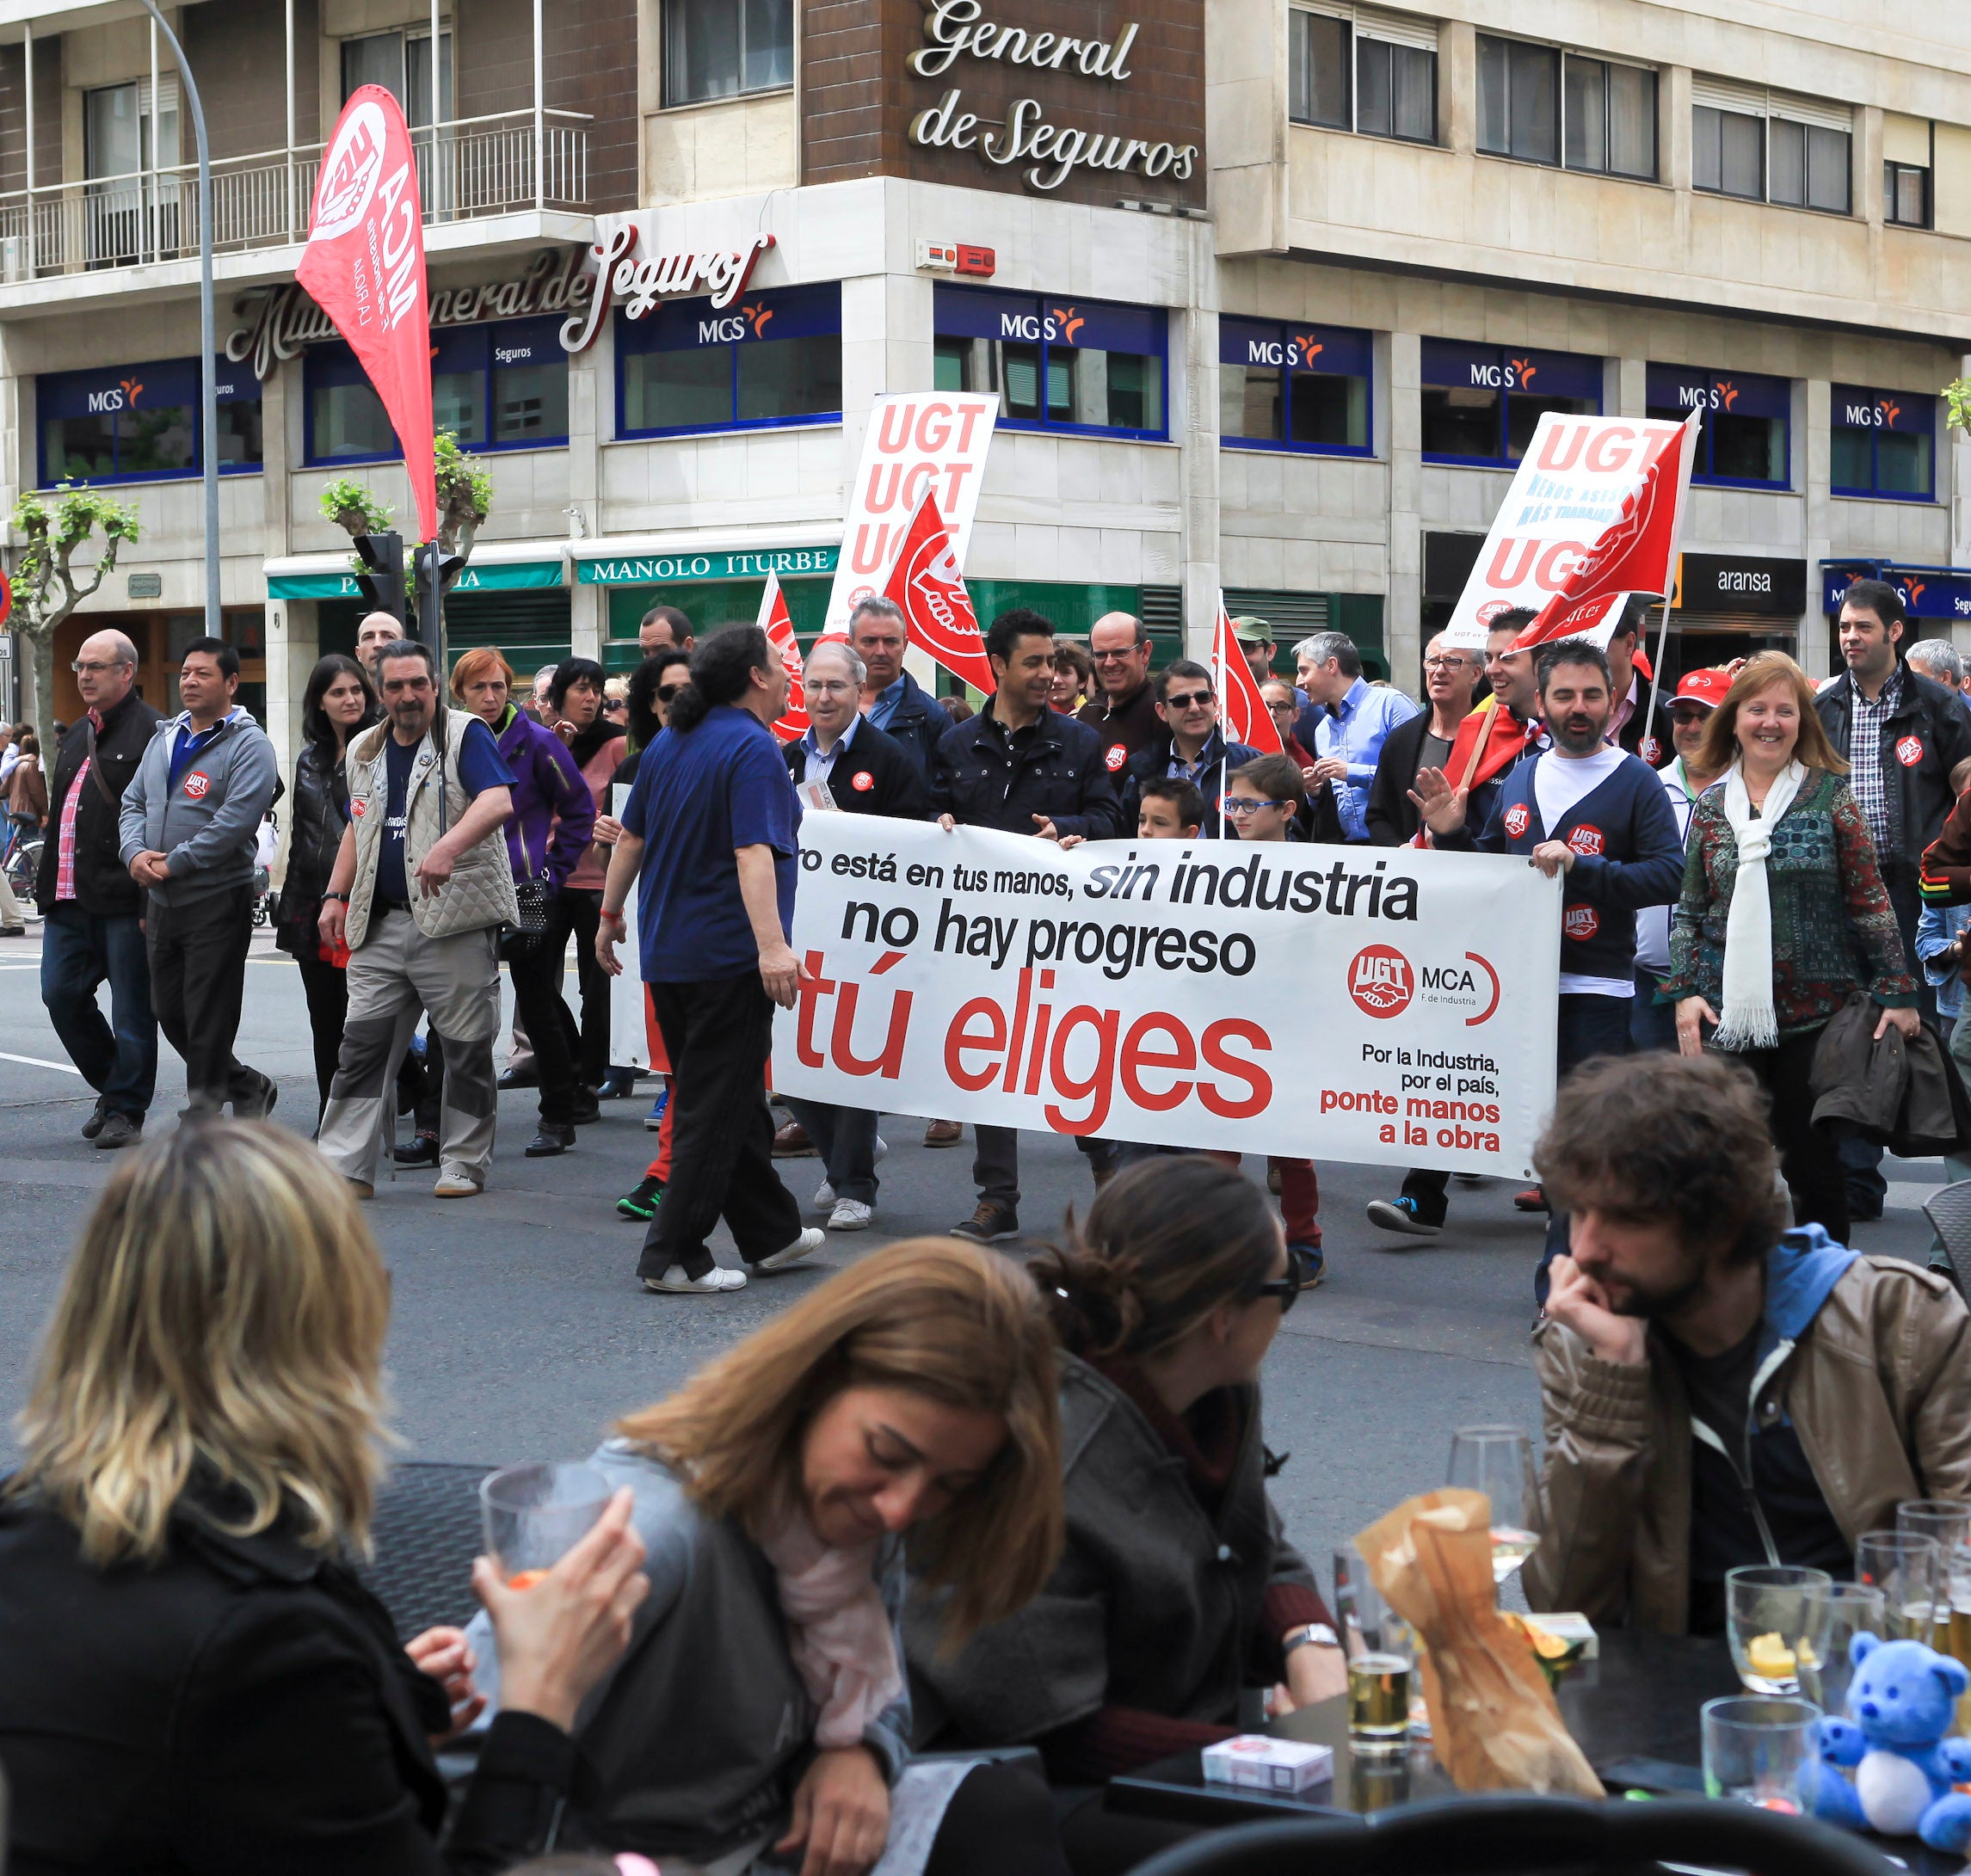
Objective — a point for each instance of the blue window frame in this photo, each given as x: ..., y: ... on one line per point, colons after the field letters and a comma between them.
x: 1481, y: 404
x: 1884, y: 443
x: 1082, y: 366
x: 1293, y: 387
x: 140, y: 422
x: 1743, y: 442
x: 500, y: 385
x: 770, y: 358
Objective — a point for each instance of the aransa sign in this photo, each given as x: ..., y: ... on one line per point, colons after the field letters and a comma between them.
x: 1389, y: 1005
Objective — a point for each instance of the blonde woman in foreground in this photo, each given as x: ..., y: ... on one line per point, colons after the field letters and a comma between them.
x: 194, y: 1678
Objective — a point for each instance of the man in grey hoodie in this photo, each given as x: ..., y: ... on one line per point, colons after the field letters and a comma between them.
x: 188, y: 828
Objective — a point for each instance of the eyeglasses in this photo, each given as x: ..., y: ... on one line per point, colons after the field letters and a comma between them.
x: 1188, y: 700
x: 667, y: 691
x: 115, y: 664
x: 1247, y: 804
x: 1691, y: 714
x: 1300, y: 1266
x: 828, y: 687
x: 1284, y: 707
x: 1117, y: 657
x: 1444, y: 664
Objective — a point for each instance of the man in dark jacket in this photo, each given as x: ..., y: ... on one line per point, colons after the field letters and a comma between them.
x: 892, y: 699
x: 1125, y: 716
x: 1902, y: 733
x: 94, y: 908
x: 842, y: 762
x: 1190, y: 745
x: 1422, y: 742
x: 1022, y: 768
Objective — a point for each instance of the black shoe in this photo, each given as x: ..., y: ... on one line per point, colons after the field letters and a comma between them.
x: 519, y: 1078
x: 992, y: 1223
x: 642, y: 1204
x: 1863, y: 1208
x: 118, y: 1130
x: 586, y: 1108
x: 615, y: 1088
x: 93, y: 1125
x: 549, y: 1141
x: 422, y: 1152
x: 257, y: 1107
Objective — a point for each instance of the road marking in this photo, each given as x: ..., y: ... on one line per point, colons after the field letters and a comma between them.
x: 35, y: 1061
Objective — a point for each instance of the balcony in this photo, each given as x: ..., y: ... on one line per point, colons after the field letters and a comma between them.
x: 467, y: 170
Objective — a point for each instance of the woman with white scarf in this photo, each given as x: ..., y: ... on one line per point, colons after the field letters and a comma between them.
x: 1783, y: 916
x: 903, y: 1412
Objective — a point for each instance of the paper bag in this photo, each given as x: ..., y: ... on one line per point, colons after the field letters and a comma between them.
x: 1494, y: 1724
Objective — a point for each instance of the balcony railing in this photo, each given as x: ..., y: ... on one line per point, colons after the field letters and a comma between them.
x: 476, y: 167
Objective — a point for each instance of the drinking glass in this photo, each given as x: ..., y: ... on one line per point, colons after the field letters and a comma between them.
x: 1755, y: 1749
x: 1765, y: 1621
x: 1835, y: 1617
x: 1948, y: 1520
x: 1382, y: 1650
x: 1908, y: 1570
x: 1498, y: 1461
x: 1957, y: 1597
x: 536, y: 1513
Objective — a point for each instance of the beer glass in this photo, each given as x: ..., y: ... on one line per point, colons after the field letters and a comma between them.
x: 1908, y: 1570
x: 1835, y: 1615
x: 1382, y: 1650
x: 1948, y: 1520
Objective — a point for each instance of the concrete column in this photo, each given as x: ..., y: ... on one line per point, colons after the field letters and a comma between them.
x: 1631, y: 387
x: 1814, y: 647
x: 1457, y: 87
x: 590, y: 376
x: 1402, y: 614
x: 1196, y: 406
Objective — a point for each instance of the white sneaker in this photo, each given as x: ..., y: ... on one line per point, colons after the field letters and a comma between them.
x: 850, y: 1215
x: 803, y: 1246
x: 716, y: 1282
x: 456, y: 1181
x: 824, y: 1196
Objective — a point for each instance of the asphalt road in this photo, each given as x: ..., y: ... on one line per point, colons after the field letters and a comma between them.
x: 520, y: 1329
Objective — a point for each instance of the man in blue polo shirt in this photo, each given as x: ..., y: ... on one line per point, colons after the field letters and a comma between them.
x: 712, y: 827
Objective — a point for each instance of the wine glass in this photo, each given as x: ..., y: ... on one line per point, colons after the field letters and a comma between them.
x: 1498, y: 1461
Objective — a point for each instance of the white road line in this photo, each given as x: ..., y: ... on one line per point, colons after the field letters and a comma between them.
x: 35, y: 1061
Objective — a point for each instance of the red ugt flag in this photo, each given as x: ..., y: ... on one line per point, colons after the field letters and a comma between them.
x: 778, y: 626
x: 364, y: 267
x: 926, y: 583
x: 1242, y: 712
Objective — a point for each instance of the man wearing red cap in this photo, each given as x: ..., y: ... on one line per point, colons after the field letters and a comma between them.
x: 1653, y: 1024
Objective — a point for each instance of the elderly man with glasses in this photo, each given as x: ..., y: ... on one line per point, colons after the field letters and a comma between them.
x: 1125, y: 715
x: 94, y: 909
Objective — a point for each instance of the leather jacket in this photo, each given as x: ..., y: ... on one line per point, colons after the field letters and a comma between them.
x: 320, y: 813
x: 1876, y: 1383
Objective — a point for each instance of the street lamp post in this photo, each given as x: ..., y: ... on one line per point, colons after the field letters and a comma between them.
x: 208, y: 369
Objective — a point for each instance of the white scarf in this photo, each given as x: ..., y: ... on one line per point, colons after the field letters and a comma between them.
x: 1746, y: 1021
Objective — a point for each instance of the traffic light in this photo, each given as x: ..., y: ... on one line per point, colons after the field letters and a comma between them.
x: 435, y: 571
x: 382, y: 578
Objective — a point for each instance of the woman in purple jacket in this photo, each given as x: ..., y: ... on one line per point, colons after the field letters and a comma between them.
x: 550, y: 828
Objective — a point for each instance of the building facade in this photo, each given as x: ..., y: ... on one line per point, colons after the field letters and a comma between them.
x: 1271, y: 294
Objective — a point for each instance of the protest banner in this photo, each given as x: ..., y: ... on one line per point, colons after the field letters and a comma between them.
x: 1602, y: 497
x: 629, y: 1039
x: 1392, y: 1006
x: 917, y: 441
x: 1241, y: 710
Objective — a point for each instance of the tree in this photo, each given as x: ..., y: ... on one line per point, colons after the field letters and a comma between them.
x: 46, y: 587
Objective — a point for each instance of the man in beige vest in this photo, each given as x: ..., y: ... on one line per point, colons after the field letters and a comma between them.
x: 420, y: 890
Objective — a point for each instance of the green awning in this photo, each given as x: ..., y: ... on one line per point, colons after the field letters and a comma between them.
x: 507, y: 578
x: 659, y: 570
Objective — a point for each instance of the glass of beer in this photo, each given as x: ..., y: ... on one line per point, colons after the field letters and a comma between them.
x: 1498, y: 1461
x: 534, y: 1514
x: 1381, y: 1650
x: 1908, y: 1569
x: 1948, y: 1520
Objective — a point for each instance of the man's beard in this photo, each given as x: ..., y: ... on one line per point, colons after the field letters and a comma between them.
x: 1654, y: 1306
x: 1577, y: 735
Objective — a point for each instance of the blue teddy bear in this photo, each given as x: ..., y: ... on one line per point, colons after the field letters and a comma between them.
x: 1900, y: 1704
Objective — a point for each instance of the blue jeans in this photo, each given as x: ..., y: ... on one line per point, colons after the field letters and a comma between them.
x: 1589, y: 1026
x: 1651, y: 1025
x: 79, y: 950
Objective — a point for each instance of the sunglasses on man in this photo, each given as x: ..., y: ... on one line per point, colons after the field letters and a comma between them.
x: 667, y: 691
x: 1187, y: 699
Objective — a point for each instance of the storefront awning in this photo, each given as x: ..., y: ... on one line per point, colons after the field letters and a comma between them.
x: 1926, y: 591
x: 661, y: 560
x: 494, y: 567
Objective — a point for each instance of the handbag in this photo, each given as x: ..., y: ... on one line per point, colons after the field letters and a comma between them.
x: 526, y: 934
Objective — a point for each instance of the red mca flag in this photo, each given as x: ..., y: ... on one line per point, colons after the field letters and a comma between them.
x: 778, y: 627
x: 926, y: 583
x: 364, y: 267
x: 1242, y: 712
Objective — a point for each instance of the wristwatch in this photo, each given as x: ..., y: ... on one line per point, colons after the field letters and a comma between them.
x: 1319, y: 1633
x: 342, y: 896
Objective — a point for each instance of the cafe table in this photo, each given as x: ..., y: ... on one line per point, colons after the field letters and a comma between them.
x: 1633, y: 1710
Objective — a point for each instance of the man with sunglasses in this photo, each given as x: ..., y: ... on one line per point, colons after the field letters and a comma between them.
x: 1190, y: 746
x: 1125, y: 716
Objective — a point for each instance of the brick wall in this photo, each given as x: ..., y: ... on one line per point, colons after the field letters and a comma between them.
x: 47, y: 113
x: 239, y: 57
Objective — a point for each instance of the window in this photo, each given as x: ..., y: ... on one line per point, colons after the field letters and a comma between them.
x: 1519, y: 100
x: 401, y: 64
x: 140, y: 422
x: 1482, y: 403
x: 1769, y: 148
x: 1541, y: 106
x: 1742, y: 441
x: 1294, y: 387
x: 500, y: 385
x: 1905, y: 194
x: 774, y: 358
x: 1369, y: 74
x: 719, y: 48
x: 1883, y: 443
x: 1080, y: 365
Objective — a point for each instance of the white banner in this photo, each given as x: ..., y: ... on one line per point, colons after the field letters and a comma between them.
x: 1568, y: 494
x: 1387, y: 1005
x: 915, y: 441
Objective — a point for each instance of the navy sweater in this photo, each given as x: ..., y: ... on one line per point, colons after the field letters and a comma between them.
x: 1627, y: 854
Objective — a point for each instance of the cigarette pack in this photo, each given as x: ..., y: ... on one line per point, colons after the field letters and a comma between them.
x: 1574, y: 1629
x: 1273, y: 1765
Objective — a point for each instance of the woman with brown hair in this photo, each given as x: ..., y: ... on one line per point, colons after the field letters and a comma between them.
x: 1177, y: 1590
x: 1783, y: 916
x: 903, y: 1411
x: 194, y: 1678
